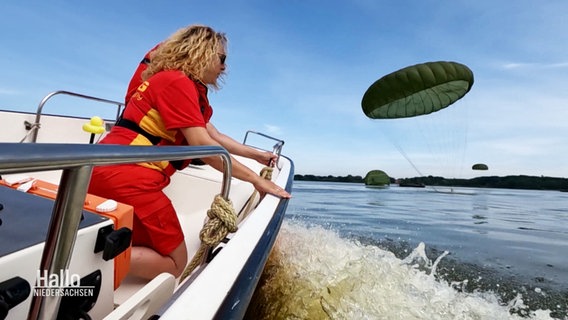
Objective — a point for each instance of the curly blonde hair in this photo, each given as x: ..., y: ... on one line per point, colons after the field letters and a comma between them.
x: 192, y: 50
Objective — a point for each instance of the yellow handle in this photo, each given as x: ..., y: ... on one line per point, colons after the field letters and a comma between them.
x: 95, y: 126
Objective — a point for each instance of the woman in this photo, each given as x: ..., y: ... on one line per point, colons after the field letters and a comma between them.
x: 170, y: 107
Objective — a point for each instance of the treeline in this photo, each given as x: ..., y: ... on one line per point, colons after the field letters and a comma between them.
x: 507, y: 182
x: 311, y: 177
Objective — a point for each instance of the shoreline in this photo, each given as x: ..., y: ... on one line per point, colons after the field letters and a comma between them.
x: 521, y: 182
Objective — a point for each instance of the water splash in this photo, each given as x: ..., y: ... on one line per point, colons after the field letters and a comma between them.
x: 313, y: 273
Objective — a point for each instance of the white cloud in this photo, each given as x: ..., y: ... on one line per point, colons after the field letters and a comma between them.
x: 9, y: 91
x: 272, y: 129
x: 521, y: 65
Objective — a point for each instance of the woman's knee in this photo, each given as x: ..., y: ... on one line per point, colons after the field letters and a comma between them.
x: 179, y: 256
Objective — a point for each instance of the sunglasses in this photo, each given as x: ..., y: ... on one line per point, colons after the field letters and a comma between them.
x: 222, y: 58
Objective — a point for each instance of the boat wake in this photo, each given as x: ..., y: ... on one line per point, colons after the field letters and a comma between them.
x: 313, y: 273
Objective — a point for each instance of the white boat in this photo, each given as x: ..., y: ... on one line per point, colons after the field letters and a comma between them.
x: 452, y: 190
x: 62, y: 259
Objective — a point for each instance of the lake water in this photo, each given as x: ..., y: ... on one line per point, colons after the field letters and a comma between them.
x: 350, y: 252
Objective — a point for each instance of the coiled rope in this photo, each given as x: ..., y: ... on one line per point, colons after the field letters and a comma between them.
x: 222, y: 220
x: 266, y: 173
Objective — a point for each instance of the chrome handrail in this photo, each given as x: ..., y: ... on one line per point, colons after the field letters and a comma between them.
x: 276, y: 149
x: 77, y: 162
x: 35, y: 126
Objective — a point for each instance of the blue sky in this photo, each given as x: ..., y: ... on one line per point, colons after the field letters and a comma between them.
x: 297, y: 70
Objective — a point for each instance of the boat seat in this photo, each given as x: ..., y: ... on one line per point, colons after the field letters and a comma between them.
x: 146, y: 301
x: 121, y: 216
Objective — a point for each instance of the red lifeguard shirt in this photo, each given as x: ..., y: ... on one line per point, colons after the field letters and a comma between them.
x: 136, y: 79
x: 163, y: 104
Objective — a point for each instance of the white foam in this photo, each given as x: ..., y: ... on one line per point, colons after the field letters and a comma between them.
x: 315, y: 274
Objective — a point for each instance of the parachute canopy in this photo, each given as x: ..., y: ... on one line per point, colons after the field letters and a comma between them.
x: 377, y: 178
x: 479, y: 166
x: 417, y: 90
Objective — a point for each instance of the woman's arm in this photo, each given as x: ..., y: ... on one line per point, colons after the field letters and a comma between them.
x: 235, y: 147
x: 199, y: 136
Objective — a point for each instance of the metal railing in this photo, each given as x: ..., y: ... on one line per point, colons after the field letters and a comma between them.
x: 36, y: 125
x: 77, y: 162
x: 276, y: 149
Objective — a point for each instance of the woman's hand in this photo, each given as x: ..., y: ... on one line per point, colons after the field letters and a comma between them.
x: 266, y: 186
x: 266, y: 158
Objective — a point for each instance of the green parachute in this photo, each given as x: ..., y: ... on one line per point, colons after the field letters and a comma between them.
x: 414, y: 92
x: 377, y: 178
x: 417, y: 90
x: 479, y: 166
